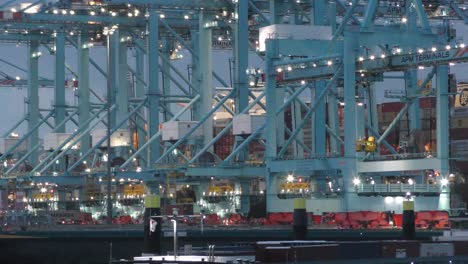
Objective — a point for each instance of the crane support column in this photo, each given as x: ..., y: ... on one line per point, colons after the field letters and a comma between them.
x: 372, y: 106
x: 244, y: 189
x: 167, y: 49
x: 319, y: 12
x: 349, y: 94
x: 271, y: 125
x: 206, y: 79
x: 59, y: 92
x: 319, y: 120
x: 442, y: 113
x: 153, y: 89
x: 360, y: 115
x: 412, y: 92
x: 296, y: 114
x: 442, y: 119
x: 333, y: 119
x: 33, y: 98
x: 195, y: 78
x: 275, y: 8
x: 350, y: 136
x: 140, y: 93
x: 121, y: 89
x: 83, y: 91
x: 241, y: 55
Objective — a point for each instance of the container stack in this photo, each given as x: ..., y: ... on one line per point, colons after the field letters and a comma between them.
x: 307, y: 251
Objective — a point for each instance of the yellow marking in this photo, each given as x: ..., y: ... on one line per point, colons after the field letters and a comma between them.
x: 299, y: 203
x: 152, y: 201
x: 408, y: 205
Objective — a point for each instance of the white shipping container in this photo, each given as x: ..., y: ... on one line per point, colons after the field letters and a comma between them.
x: 120, y: 138
x: 459, y: 144
x: 247, y: 124
x: 298, y: 32
x: 54, y: 140
x: 174, y: 130
x: 7, y: 143
x: 460, y: 112
x: 436, y: 250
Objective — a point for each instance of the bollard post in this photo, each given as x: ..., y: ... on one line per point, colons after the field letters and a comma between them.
x: 152, y: 226
x: 409, y: 229
x: 300, y: 219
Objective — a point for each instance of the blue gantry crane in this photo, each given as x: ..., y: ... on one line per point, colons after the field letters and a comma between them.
x: 165, y: 128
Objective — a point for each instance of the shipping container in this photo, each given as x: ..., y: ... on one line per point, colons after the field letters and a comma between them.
x: 54, y: 140
x: 459, y: 122
x: 7, y: 143
x: 427, y: 102
x: 308, y: 253
x: 461, y: 165
x: 436, y: 250
x: 461, y: 248
x: 246, y: 124
x: 388, y: 117
x: 400, y: 249
x: 458, y: 133
x: 393, y: 107
x: 182, y: 209
x: 295, y: 251
x: 174, y: 130
x: 120, y: 138
x: 277, y: 254
x: 360, y: 250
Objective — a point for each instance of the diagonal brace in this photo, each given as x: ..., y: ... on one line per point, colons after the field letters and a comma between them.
x: 198, y: 124
x: 98, y: 144
x: 26, y: 136
x: 158, y: 134
x: 311, y: 110
x: 226, y: 128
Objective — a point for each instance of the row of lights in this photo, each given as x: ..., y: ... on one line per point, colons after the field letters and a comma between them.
x: 289, y: 191
x: 373, y: 57
x: 225, y: 193
x: 53, y: 199
x: 36, y: 54
x: 420, y: 51
x: 360, y: 104
x: 290, y: 68
x: 123, y: 180
x: 135, y: 13
x: 130, y: 196
x: 443, y: 182
x: 45, y: 184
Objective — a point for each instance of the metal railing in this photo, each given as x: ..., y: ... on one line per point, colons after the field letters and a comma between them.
x: 402, y: 156
x: 398, y: 188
